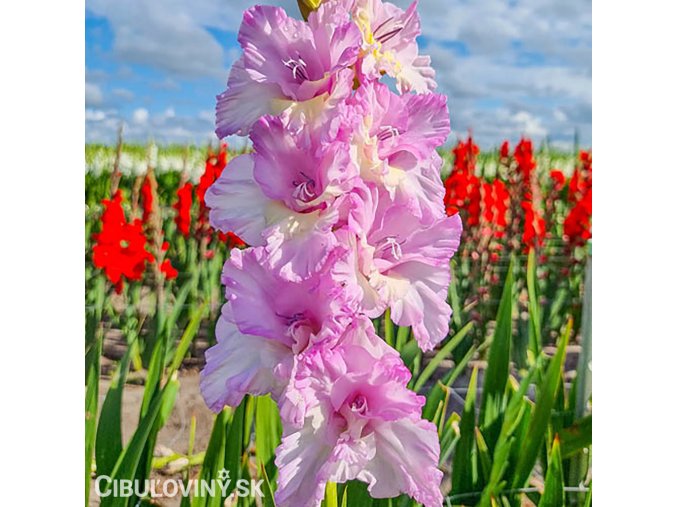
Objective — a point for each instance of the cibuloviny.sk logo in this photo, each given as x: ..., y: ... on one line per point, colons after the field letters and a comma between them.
x: 106, y: 486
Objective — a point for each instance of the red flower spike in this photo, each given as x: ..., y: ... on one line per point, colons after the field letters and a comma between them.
x: 120, y: 249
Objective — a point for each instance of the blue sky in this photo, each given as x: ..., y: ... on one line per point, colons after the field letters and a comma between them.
x: 510, y: 68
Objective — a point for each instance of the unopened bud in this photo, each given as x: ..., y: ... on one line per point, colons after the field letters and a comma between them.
x: 308, y: 6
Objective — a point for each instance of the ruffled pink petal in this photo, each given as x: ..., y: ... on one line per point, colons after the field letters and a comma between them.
x: 423, y: 306
x: 244, y: 101
x: 236, y: 202
x: 408, y: 451
x: 240, y: 364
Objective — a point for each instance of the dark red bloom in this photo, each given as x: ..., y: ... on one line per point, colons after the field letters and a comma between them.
x: 120, y: 249
x: 183, y: 208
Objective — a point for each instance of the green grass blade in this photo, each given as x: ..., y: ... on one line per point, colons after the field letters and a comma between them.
x: 268, y: 431
x: 553, y: 490
x: 91, y: 408
x: 542, y: 413
x: 464, y: 471
x: 109, y: 432
x: 535, y: 338
x: 128, y: 462
x: 236, y: 447
x: 187, y: 338
x: 575, y: 438
x: 267, y: 488
x: 496, y: 375
x: 331, y: 495
x: 213, y: 461
x: 437, y: 393
x: 401, y: 338
x: 388, y: 329
x: 445, y: 351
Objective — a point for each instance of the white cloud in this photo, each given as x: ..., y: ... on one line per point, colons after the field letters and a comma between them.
x: 166, y: 36
x: 93, y: 95
x: 94, y: 115
x: 124, y: 94
x: 140, y: 116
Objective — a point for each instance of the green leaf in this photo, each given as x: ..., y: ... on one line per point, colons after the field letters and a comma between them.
x: 331, y: 495
x: 128, y: 462
x: 402, y: 337
x: 388, y: 329
x: 153, y: 376
x: 236, y: 446
x: 268, y: 431
x: 268, y: 495
x: 437, y: 393
x: 575, y: 438
x: 542, y: 413
x: 535, y: 338
x: 515, y: 414
x: 483, y: 452
x: 187, y: 338
x: 464, y: 471
x: 109, y: 432
x: 553, y: 490
x: 453, y: 297
x: 445, y: 351
x: 357, y: 494
x: 213, y: 461
x: 498, y: 367
x: 91, y: 408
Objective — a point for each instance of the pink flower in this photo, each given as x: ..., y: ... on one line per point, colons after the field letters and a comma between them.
x: 282, y: 197
x: 389, y: 45
x: 241, y: 364
x: 395, y: 145
x: 400, y: 262
x: 266, y: 323
x: 361, y: 422
x: 288, y: 64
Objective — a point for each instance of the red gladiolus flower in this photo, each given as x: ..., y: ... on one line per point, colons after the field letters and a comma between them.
x: 120, y: 249
x: 170, y: 272
x: 183, y: 207
x: 214, y: 166
x: 524, y: 155
x: 231, y: 240
x: 147, y: 199
x: 578, y: 223
x: 534, y: 226
x: 558, y: 180
x: 496, y: 201
x: 504, y: 152
x: 462, y: 186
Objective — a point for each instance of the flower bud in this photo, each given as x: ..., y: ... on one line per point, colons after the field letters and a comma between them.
x: 308, y: 6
